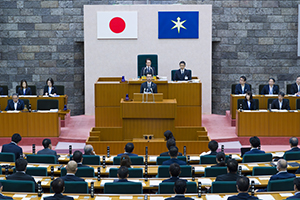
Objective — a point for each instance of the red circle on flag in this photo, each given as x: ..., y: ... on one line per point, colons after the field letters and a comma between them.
x: 117, y: 25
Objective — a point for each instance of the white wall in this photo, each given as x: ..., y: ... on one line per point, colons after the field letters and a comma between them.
x: 119, y: 57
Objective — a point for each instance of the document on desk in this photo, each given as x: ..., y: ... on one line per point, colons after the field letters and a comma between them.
x: 265, y: 197
x: 194, y: 158
x: 152, y: 158
x: 156, y: 198
x: 106, y: 181
x: 244, y: 168
x: 199, y: 169
x: 278, y: 154
x: 102, y: 198
x: 213, y: 197
x: 256, y: 182
x: 154, y: 182
x: 286, y: 194
x: 205, y: 181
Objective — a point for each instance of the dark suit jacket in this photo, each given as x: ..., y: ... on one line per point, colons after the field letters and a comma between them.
x: 254, y: 151
x: 144, y: 86
x: 52, y: 91
x: 265, y: 89
x: 241, y: 196
x: 238, y: 89
x: 81, y: 165
x: 167, y: 154
x: 5, y: 197
x: 173, y: 179
x: 173, y: 160
x: 144, y: 71
x: 227, y: 177
x: 59, y: 196
x: 12, y: 148
x: 71, y: 178
x: 1, y: 91
x: 128, y: 154
x: 10, y: 105
x: 22, y: 177
x: 218, y: 165
x: 27, y: 91
x: 212, y: 153
x: 179, y: 197
x: 245, y: 105
x: 285, y: 104
x: 296, y: 196
x: 181, y: 77
x: 121, y: 181
x: 278, y: 176
x: 48, y: 152
x: 294, y: 88
x: 295, y: 149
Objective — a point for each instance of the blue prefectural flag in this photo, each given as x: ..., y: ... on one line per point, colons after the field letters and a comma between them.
x: 178, y: 25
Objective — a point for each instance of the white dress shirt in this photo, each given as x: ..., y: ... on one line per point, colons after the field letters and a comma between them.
x: 16, y: 105
x: 280, y: 104
x: 24, y: 91
x: 49, y: 90
x: 249, y: 104
x: 243, y: 89
x: 271, y: 89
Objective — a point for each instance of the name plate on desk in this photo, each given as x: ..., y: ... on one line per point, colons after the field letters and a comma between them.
x: 143, y: 97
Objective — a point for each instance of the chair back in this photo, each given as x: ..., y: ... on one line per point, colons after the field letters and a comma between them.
x: 17, y: 186
x: 258, y: 171
x: 168, y: 188
x: 60, y: 89
x: 135, y: 160
x: 35, y: 171
x: 41, y: 158
x: 91, y: 160
x: 223, y: 187
x: 210, y: 159
x: 288, y: 88
x: 123, y: 188
x: 298, y: 104
x: 81, y: 172
x: 7, y: 157
x: 214, y: 171
x: 133, y: 172
x: 32, y: 87
x: 262, y: 157
x: 161, y: 159
x: 47, y: 104
x: 270, y: 100
x: 141, y: 62
x: 292, y: 155
x: 75, y: 187
x: 281, y: 185
x: 5, y: 89
x: 163, y: 171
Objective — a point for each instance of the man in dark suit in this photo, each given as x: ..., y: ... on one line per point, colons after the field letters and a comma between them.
x: 21, y: 165
x: 255, y: 144
x: 173, y: 155
x: 296, y: 188
x: 58, y: 187
x: 294, y: 145
x: 295, y: 88
x: 78, y: 158
x: 47, y: 148
x: 281, y: 103
x: 128, y: 150
x: 242, y: 186
x: 148, y: 69
x: 71, y: 170
x: 15, y: 103
x: 170, y: 142
x: 182, y: 74
x: 232, y: 167
x: 282, y: 173
x: 270, y: 88
x: 122, y: 174
x: 174, y: 171
x: 242, y: 87
x: 89, y: 150
x: 148, y: 86
x: 1, y: 91
x: 1, y: 195
x: 213, y: 147
x: 179, y: 189
x: 13, y: 146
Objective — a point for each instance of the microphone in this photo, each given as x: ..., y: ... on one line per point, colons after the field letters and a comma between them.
x: 152, y: 95
x: 199, y: 189
x: 99, y: 174
x: 108, y: 152
x: 33, y: 148
x: 252, y: 188
x: 222, y: 148
x: 39, y: 189
x: 193, y: 173
x: 240, y: 170
x: 92, y: 189
x: 52, y: 172
x: 184, y: 150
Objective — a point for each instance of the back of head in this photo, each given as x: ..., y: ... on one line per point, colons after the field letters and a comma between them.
x: 16, y: 138
x: 123, y: 172
x: 294, y: 141
x: 213, y: 145
x: 180, y: 186
x: 282, y: 164
x: 125, y: 161
x: 58, y: 185
x: 221, y: 158
x: 173, y: 151
x: 46, y: 143
x: 129, y: 147
x: 77, y: 156
x: 170, y: 142
x: 174, y: 169
x: 71, y: 166
x: 297, y: 183
x: 168, y: 135
x: 21, y: 164
x: 243, y: 183
x: 232, y: 165
x: 88, y: 149
x: 255, y: 142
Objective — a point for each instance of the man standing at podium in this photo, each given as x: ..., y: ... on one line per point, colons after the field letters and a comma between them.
x: 148, y: 69
x: 148, y: 86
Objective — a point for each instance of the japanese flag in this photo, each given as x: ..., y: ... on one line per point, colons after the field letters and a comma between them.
x: 116, y: 25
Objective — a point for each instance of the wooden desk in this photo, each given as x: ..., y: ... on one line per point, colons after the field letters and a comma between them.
x: 30, y: 124
x: 267, y: 124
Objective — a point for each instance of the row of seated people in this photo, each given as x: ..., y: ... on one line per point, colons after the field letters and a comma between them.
x: 271, y: 88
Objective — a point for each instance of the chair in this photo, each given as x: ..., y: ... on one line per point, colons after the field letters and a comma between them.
x: 257, y: 171
x: 141, y: 62
x: 223, y: 187
x: 214, y: 171
x: 281, y: 185
x: 168, y: 188
x: 47, y: 104
x: 7, y: 157
x: 161, y: 159
x: 233, y: 88
x: 32, y: 87
x: 240, y: 101
x: 26, y: 102
x: 270, y: 100
x: 133, y: 172
x: 35, y: 171
x: 298, y: 104
x: 123, y: 188
x: 261, y: 87
x: 5, y: 89
x: 163, y: 171
x: 91, y: 160
x: 33, y: 158
x: 18, y: 186
x: 81, y: 172
x: 135, y: 160
x: 288, y: 88
x: 75, y: 187
x: 210, y: 159
x: 262, y: 157
x: 291, y: 156
x: 60, y: 89
x: 244, y: 150
x: 174, y: 71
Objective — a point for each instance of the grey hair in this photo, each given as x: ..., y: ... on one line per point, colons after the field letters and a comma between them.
x: 15, y: 94
x: 88, y: 149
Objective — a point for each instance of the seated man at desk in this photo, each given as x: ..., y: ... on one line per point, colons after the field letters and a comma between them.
x: 242, y: 186
x: 232, y: 168
x: 170, y: 142
x: 148, y: 86
x: 71, y: 171
x: 281, y: 103
x: 295, y: 88
x: 174, y: 171
x: 294, y: 145
x: 270, y: 88
x: 13, y: 147
x: 122, y: 174
x: 255, y: 144
x: 15, y: 103
x: 182, y: 74
x: 58, y: 187
x: 148, y: 69
x: 128, y: 150
x: 48, y: 149
x: 173, y: 157
x: 242, y: 87
x: 179, y: 189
